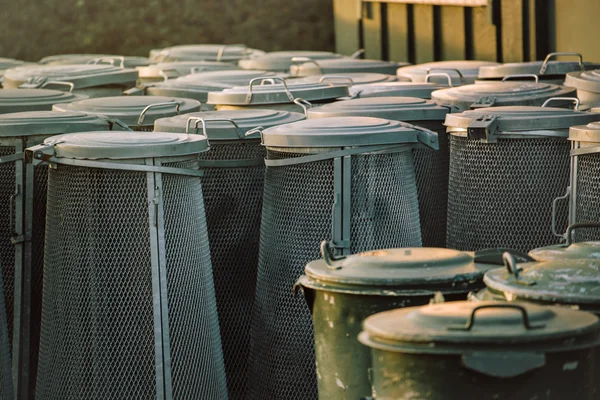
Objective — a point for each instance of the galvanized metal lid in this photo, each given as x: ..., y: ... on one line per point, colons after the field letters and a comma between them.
x: 6, y: 63
x: 394, y: 108
x: 349, y: 79
x: 133, y: 110
x: 573, y: 281
x: 180, y: 87
x: 400, y: 89
x: 227, y: 124
x: 345, y: 132
x: 125, y: 145
x: 500, y: 94
x: 345, y: 65
x: 208, y: 52
x: 441, y: 328
x: 276, y: 93
x: 175, y: 69
x: 81, y: 76
x: 461, y: 72
x: 584, y: 80
x: 570, y: 250
x: 586, y: 133
x: 17, y: 100
x: 112, y: 59
x: 231, y: 77
x: 521, y: 120
x: 34, y: 123
x: 541, y: 68
x: 281, y: 61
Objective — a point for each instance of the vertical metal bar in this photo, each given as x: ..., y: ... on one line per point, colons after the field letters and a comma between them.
x: 573, y: 179
x: 162, y: 268
x: 346, y: 203
x: 337, y: 215
x: 385, y: 46
x: 410, y: 30
x: 469, y: 41
x: 156, y: 292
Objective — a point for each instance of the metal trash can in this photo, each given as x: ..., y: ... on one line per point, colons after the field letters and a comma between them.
x: 204, y: 52
x: 348, y: 180
x: 587, y: 84
x: 585, y: 177
x: 169, y: 70
x: 129, y: 306
x: 275, y: 94
x: 570, y: 249
x: 461, y: 72
x: 233, y: 190
x: 20, y: 100
x: 547, y: 70
x: 394, y: 89
x: 96, y: 80
x: 431, y: 167
x: 341, y: 292
x: 23, y: 210
x: 280, y: 61
x: 350, y: 78
x: 497, y: 350
x: 493, y: 94
x: 305, y: 66
x: 137, y: 112
x: 507, y: 165
x: 6, y: 384
x: 116, y: 60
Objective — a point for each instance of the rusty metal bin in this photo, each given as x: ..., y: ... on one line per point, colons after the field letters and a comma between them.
x: 498, y: 350
x: 341, y: 292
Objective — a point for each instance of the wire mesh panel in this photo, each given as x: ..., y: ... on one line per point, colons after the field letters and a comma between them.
x: 297, y: 216
x: 6, y: 386
x: 588, y: 195
x: 500, y: 194
x: 7, y: 249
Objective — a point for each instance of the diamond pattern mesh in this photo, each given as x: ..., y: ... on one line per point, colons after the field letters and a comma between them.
x: 500, y: 194
x: 7, y: 249
x: 431, y: 169
x: 588, y: 196
x: 6, y: 389
x: 297, y: 207
x: 233, y: 198
x: 97, y: 338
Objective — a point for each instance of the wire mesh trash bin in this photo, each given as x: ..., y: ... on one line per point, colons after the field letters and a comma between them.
x: 348, y: 180
x: 461, y: 72
x: 23, y: 210
x: 129, y: 307
x: 137, y: 112
x: 6, y: 384
x: 431, y: 167
x: 342, y: 292
x: 233, y: 189
x: 507, y: 165
x: 20, y: 100
x: 95, y: 80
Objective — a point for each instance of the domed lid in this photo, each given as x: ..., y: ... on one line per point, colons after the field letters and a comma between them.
x: 81, y: 75
x: 461, y: 72
x: 229, y: 78
x: 395, y: 108
x: 206, y: 52
x: 175, y: 69
x: 33, y: 123
x: 539, y: 121
x: 227, y: 124
x: 442, y: 328
x: 584, y: 80
x: 559, y: 281
x: 541, y: 68
x: 17, y: 100
x: 304, y: 67
x: 347, y: 131
x: 500, y: 94
x: 118, y: 61
x: 281, y: 61
x: 349, y: 79
x: 133, y: 110
x: 6, y: 63
x: 125, y: 145
x: 586, y: 133
x: 395, y: 89
x: 270, y: 91
x: 569, y: 250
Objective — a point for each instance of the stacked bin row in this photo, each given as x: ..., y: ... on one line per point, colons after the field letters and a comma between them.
x: 156, y: 221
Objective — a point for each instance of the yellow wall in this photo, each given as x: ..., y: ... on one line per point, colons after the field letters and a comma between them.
x: 577, y: 23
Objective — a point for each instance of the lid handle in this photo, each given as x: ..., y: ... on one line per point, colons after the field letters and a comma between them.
x: 460, y: 75
x: 484, y: 128
x: 117, y: 122
x: 304, y: 60
x: 162, y: 55
x: 163, y: 73
x: 573, y: 99
x: 495, y: 256
x: 195, y: 70
x: 167, y: 103
x: 534, y: 76
x: 357, y: 54
x: 71, y: 85
x: 554, y: 211
x: 328, y: 78
x: 549, y: 56
x: 442, y: 74
x: 109, y: 60
x: 471, y: 321
x: 305, y: 104
x: 329, y: 257
x: 222, y: 49
x: 259, y: 130
x: 264, y: 79
x: 572, y: 227
x: 511, y: 265
x: 202, y: 121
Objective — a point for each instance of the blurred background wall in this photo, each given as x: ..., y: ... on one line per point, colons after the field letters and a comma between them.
x: 32, y: 29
